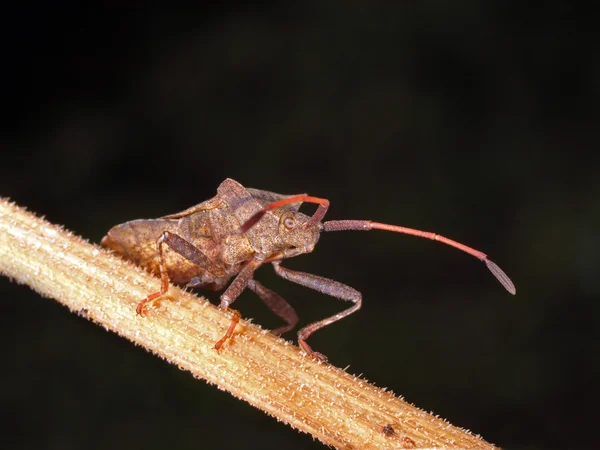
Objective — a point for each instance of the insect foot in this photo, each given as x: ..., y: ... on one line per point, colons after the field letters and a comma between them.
x: 234, y: 321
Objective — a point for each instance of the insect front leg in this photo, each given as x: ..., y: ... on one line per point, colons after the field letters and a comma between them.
x: 183, y: 248
x: 277, y: 304
x: 326, y: 286
x: 234, y: 290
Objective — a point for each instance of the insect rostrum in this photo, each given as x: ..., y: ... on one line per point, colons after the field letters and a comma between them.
x: 237, y: 231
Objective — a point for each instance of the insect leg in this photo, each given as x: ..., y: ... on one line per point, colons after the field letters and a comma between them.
x: 277, y: 304
x: 234, y: 290
x: 326, y: 286
x: 182, y: 247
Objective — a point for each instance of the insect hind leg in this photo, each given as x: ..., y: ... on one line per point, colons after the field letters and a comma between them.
x: 183, y: 248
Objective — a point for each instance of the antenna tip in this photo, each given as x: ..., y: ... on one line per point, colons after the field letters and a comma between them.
x: 501, y: 276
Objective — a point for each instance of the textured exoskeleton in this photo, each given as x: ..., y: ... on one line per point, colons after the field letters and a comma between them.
x: 233, y: 234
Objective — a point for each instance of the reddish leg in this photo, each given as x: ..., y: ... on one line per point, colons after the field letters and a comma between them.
x: 326, y: 286
x: 234, y: 290
x: 164, y: 277
x: 185, y: 249
x: 277, y: 304
x: 234, y: 321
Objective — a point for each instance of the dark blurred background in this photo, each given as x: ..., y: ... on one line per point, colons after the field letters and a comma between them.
x: 477, y: 120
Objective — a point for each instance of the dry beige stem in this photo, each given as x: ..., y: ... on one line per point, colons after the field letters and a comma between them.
x: 339, y: 409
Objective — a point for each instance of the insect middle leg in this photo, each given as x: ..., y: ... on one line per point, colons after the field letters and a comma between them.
x: 277, y: 304
x: 326, y: 286
x: 183, y: 248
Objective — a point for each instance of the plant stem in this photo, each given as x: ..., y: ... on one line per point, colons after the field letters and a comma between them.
x: 337, y: 408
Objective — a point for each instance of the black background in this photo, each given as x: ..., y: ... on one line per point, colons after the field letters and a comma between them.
x: 476, y: 120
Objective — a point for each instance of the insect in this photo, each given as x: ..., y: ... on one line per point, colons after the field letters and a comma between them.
x: 237, y: 231
x: 388, y: 430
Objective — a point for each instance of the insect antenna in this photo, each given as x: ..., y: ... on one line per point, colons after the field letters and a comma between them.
x: 366, y: 225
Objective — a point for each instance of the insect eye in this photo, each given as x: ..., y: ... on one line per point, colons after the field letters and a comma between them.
x: 289, y: 222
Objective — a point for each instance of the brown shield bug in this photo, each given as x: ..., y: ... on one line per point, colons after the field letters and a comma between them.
x: 236, y: 232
